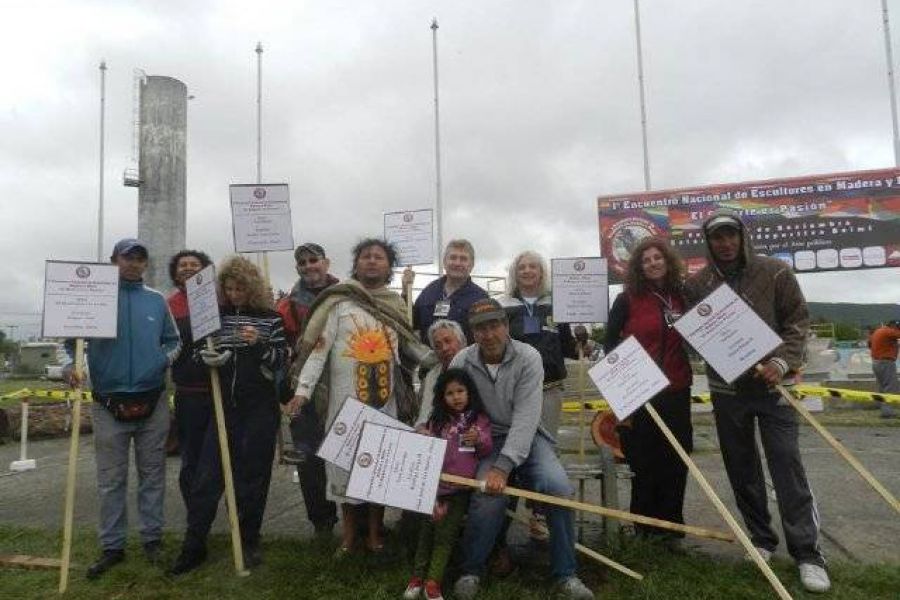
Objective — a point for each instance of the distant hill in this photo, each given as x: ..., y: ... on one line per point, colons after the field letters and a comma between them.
x: 860, y: 315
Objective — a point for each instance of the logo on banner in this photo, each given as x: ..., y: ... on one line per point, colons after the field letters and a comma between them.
x: 83, y: 272
x: 579, y: 265
x: 704, y: 310
x: 407, y: 218
x: 340, y: 428
x: 259, y: 193
x: 612, y: 359
x: 364, y: 460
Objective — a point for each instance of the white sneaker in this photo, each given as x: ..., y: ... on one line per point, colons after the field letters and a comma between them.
x: 766, y: 555
x: 814, y: 578
x: 571, y: 588
x: 414, y: 589
x: 466, y: 587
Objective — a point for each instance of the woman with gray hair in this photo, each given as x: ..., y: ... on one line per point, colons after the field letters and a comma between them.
x: 529, y: 307
x: 446, y: 338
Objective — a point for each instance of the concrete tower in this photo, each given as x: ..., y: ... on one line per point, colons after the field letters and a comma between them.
x: 162, y: 173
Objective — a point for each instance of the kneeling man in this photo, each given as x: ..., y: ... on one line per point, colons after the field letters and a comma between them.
x: 510, y: 377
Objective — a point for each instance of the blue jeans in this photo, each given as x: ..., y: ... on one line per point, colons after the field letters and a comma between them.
x: 541, y: 472
x: 112, y: 446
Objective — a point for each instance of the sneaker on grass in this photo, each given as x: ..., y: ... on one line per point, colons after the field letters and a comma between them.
x: 413, y: 589
x: 814, y: 578
x: 766, y: 555
x: 433, y: 590
x: 466, y: 587
x: 571, y: 588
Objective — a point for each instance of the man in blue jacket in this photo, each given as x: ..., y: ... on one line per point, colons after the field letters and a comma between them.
x: 128, y: 386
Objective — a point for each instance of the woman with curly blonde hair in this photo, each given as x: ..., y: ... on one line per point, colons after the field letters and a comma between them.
x: 250, y: 350
x: 648, y: 308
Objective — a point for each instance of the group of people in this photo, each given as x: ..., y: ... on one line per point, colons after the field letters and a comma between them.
x: 492, y: 376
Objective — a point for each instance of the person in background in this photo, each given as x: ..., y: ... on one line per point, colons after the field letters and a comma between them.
x: 883, y: 348
x: 250, y: 350
x: 193, y: 401
x: 128, y: 383
x: 584, y: 345
x: 446, y: 338
x: 770, y: 288
x: 448, y: 296
x: 306, y: 428
x: 648, y: 308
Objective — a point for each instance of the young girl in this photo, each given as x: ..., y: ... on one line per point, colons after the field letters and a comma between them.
x: 458, y: 417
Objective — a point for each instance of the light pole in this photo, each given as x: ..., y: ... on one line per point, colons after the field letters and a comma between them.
x: 890, y: 74
x: 640, y: 67
x: 102, y: 161
x: 439, y: 203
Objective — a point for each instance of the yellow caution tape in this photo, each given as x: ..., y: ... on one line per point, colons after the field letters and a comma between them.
x: 802, y: 390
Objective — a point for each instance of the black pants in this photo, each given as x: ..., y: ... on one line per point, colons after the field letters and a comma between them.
x: 193, y: 416
x: 736, y: 419
x: 306, y: 434
x: 251, y: 426
x: 660, y: 476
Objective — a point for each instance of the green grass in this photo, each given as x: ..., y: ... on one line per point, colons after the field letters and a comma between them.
x: 298, y: 569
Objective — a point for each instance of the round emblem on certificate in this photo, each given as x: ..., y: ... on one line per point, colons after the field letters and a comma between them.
x: 340, y: 428
x: 407, y: 217
x: 199, y: 278
x: 578, y: 265
x: 364, y: 460
x: 83, y: 272
x: 259, y: 193
x: 704, y: 310
x: 612, y: 359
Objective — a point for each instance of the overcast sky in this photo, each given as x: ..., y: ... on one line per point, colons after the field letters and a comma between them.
x: 539, y: 116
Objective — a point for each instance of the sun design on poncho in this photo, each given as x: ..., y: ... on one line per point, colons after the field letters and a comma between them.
x: 371, y: 350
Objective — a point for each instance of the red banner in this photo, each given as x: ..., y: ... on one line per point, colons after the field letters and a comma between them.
x: 836, y: 222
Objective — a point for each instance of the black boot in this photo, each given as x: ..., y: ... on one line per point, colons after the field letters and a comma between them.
x: 189, y: 559
x: 107, y: 560
x: 252, y: 555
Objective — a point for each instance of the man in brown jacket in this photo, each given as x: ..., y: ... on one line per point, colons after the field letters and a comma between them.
x: 768, y: 285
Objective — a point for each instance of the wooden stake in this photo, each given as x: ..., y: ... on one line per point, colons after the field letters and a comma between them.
x: 586, y: 551
x: 717, y: 502
x: 581, y: 370
x: 69, y: 508
x: 230, y: 501
x: 407, y: 291
x: 592, y: 508
x: 839, y: 447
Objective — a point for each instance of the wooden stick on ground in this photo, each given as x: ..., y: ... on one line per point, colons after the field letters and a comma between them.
x: 586, y: 551
x: 839, y: 447
x: 597, y: 510
x: 23, y: 561
x: 717, y: 502
x: 69, y: 508
x: 230, y: 501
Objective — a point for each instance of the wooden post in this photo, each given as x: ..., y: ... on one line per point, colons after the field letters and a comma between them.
x: 69, y: 508
x: 407, y: 291
x: 585, y: 550
x: 717, y: 502
x: 230, y: 501
x: 592, y: 508
x: 839, y: 447
x: 581, y: 373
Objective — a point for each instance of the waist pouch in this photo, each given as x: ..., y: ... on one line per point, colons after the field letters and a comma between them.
x: 131, y: 406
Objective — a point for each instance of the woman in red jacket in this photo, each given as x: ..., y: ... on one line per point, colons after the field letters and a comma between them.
x: 651, y: 303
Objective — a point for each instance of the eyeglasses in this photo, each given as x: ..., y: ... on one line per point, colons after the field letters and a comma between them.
x: 307, y: 261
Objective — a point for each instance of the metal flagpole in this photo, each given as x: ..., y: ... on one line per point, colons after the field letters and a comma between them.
x: 102, y: 161
x: 890, y: 74
x: 640, y: 66
x: 259, y: 50
x: 439, y: 204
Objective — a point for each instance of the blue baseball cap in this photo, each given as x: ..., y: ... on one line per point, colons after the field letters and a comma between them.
x: 130, y: 246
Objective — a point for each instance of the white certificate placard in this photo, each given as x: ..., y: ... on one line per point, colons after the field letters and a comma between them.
x: 203, y: 303
x: 727, y: 333
x: 628, y: 377
x: 340, y: 441
x: 81, y: 299
x: 412, y: 232
x: 261, y: 217
x: 397, y: 468
x: 580, y: 290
